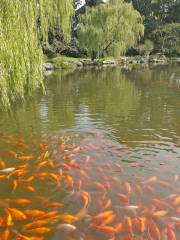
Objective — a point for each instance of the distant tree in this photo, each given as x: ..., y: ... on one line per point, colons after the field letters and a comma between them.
x: 167, y: 37
x: 157, y: 12
x: 109, y: 29
x: 145, y: 48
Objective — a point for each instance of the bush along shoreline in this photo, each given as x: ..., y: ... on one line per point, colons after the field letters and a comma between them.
x: 63, y: 62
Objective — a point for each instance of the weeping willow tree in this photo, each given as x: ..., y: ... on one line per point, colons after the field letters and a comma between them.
x: 109, y: 29
x: 21, y: 55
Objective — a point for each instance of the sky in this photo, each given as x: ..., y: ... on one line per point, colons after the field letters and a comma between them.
x: 83, y: 2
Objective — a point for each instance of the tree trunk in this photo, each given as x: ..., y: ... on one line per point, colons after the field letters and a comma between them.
x: 93, y: 55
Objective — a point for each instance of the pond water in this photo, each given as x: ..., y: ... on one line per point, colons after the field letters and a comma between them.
x: 98, y: 155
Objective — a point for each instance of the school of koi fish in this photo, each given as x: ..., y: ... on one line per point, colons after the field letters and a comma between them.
x: 64, y: 187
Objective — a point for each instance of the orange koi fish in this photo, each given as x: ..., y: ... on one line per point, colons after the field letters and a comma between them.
x: 73, y: 164
x: 5, y: 234
x: 37, y: 224
x: 101, y: 173
x: 43, y: 155
x: 127, y: 187
x: 26, y: 157
x: 142, y: 224
x: 161, y: 213
x: 170, y: 233
x: 41, y: 175
x: 66, y: 218
x: 3, y: 221
x: 149, y: 237
x: 86, y: 197
x: 176, y: 200
x: 81, y: 213
x: 118, y: 227
x: 116, y: 180
x: 27, y: 180
x: 87, y: 159
x: 108, y: 220
x: 151, y: 180
x: 100, y: 203
x: 69, y: 181
x: 54, y: 204
x: 20, y: 172
x: 119, y: 167
x: 3, y: 177
x: 105, y: 229
x: 127, y: 226
x: 50, y: 164
x: 150, y: 190
x: 177, y: 225
x: 138, y: 189
x: 20, y: 144
x: 154, y: 230
x: 2, y: 164
x: 65, y: 167
x: 107, y: 204
x: 77, y: 149
x: 84, y: 174
x: 123, y: 198
x: 14, y: 185
x: 21, y: 201
x: 10, y: 153
x: 23, y: 237
x: 8, y: 219
x: 22, y: 166
x: 103, y: 215
x: 160, y: 204
x: 41, y: 164
x: 54, y: 176
x: 48, y: 214
x: 62, y: 146
x: 34, y: 213
x: 17, y: 214
x: 99, y: 186
x: 40, y: 231
x: 29, y: 188
x: 108, y: 165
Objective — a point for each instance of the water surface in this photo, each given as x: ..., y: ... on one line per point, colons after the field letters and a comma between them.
x: 126, y: 124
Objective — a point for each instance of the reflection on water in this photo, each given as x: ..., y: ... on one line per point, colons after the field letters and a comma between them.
x: 127, y: 127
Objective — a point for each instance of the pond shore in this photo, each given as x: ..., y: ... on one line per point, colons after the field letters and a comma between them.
x: 62, y: 62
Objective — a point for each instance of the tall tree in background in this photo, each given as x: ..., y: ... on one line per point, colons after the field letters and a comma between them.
x: 109, y: 29
x: 158, y: 16
x: 167, y: 38
x: 20, y: 51
x: 157, y: 12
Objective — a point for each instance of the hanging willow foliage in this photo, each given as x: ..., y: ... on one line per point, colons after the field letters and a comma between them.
x: 21, y: 56
x: 109, y: 29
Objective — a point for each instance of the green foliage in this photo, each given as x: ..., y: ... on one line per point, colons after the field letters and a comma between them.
x: 55, y: 14
x: 158, y: 14
x: 168, y: 37
x: 20, y: 51
x: 109, y: 29
x: 63, y: 62
x: 145, y: 48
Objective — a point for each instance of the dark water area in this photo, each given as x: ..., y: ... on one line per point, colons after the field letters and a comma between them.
x: 116, y: 133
